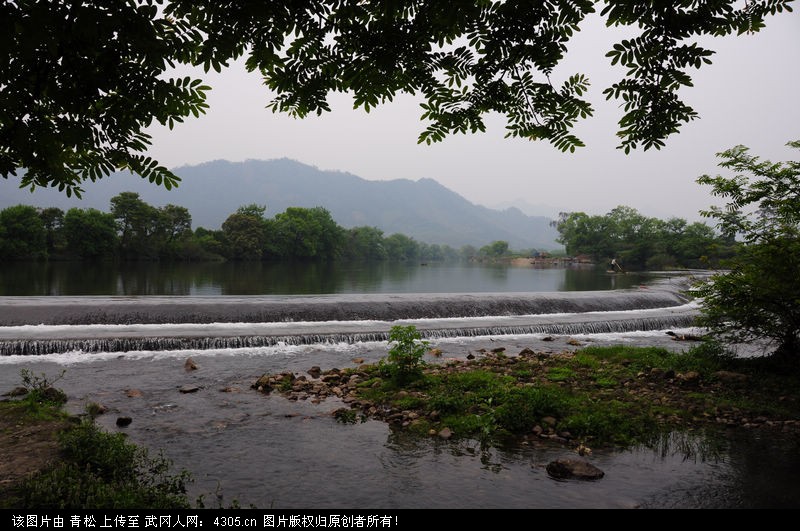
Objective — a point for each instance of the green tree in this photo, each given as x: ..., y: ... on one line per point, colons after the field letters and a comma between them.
x: 210, y: 242
x: 83, y: 80
x: 173, y: 231
x: 137, y: 222
x: 90, y: 234
x: 22, y: 234
x: 468, y: 252
x: 307, y: 233
x: 53, y: 220
x: 758, y: 297
x: 401, y: 248
x: 244, y: 233
x: 496, y: 249
x: 584, y: 234
x: 81, y: 83
x: 364, y: 243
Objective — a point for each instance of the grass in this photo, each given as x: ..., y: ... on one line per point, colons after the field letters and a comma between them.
x: 607, y: 396
x: 74, y: 464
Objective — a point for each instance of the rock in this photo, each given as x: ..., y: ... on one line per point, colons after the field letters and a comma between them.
x: 133, y: 393
x: 358, y: 361
x: 550, y: 421
x: 572, y: 468
x: 689, y: 377
x: 230, y: 389
x: 17, y: 391
x: 124, y: 421
x: 574, y: 342
x: 526, y: 352
x: 435, y: 352
x: 583, y: 450
x: 548, y: 338
x: 445, y: 433
x: 498, y: 350
x: 537, y: 430
x: 94, y: 409
x: 684, y: 337
x: 190, y: 365
x: 470, y: 356
x: 314, y: 371
x: 263, y: 384
x: 730, y: 377
x: 189, y: 389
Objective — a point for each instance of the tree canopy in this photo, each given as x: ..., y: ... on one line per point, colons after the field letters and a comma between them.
x: 81, y: 81
x: 758, y: 296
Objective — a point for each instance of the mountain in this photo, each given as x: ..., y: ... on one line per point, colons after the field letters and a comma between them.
x: 423, y: 209
x: 528, y: 208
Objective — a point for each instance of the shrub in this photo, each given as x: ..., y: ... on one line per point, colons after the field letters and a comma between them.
x: 523, y: 407
x: 404, y: 362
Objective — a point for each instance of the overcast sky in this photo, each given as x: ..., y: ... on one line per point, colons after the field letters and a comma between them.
x: 749, y: 95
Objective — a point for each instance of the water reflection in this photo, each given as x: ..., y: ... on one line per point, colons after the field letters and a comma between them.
x: 257, y: 278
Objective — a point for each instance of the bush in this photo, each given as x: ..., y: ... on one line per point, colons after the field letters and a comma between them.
x: 103, y: 471
x: 523, y: 407
x: 40, y: 389
x: 404, y: 362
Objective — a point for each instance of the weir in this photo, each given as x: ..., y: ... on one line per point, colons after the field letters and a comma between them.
x: 48, y: 325
x: 15, y: 311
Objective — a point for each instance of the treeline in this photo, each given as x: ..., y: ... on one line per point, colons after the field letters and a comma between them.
x: 640, y: 242
x: 135, y: 230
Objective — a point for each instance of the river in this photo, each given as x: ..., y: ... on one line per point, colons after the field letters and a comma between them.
x: 267, y: 451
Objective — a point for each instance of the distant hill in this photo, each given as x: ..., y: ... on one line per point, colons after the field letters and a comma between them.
x: 423, y: 209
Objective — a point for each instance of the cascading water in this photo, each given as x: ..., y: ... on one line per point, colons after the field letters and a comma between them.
x: 46, y: 325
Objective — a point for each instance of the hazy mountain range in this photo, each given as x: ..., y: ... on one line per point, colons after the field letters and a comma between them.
x: 423, y: 209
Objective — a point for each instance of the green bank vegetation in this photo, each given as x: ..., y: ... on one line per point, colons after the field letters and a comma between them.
x: 598, y: 396
x: 74, y: 464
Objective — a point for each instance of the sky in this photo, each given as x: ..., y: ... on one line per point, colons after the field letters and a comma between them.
x: 748, y: 96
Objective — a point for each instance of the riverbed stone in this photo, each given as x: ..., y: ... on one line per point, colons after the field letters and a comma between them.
x: 133, y: 393
x: 550, y: 421
x: 573, y: 468
x: 189, y: 389
x: 730, y: 377
x: 445, y: 433
x: 190, y: 365
x: 124, y: 421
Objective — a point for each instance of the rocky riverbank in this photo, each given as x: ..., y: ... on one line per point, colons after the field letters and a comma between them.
x: 595, y: 396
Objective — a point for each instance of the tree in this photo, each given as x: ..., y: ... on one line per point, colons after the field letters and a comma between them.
x: 244, y: 233
x: 53, y: 220
x: 639, y: 241
x: 496, y: 249
x: 80, y: 83
x: 365, y: 243
x: 83, y: 80
x: 137, y: 222
x: 90, y: 234
x: 173, y: 232
x: 758, y: 297
x: 584, y: 234
x: 22, y: 234
x: 307, y: 233
x: 400, y: 247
